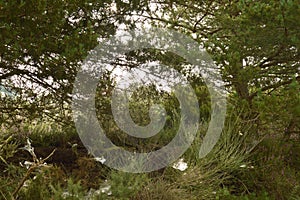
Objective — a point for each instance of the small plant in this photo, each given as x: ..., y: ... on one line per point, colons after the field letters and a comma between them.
x: 31, y: 166
x: 74, y: 191
x: 8, y: 148
x: 126, y: 185
x: 225, y: 194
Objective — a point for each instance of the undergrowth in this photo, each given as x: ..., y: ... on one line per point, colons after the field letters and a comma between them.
x: 237, y: 168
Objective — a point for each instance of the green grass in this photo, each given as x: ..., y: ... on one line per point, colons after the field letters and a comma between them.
x: 237, y: 168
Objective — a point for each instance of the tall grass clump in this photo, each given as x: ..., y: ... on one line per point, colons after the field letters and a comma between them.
x: 222, y: 167
x: 276, y: 169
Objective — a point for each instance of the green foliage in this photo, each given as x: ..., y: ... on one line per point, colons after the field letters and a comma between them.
x: 73, y: 191
x: 272, y: 170
x: 253, y: 42
x: 7, y: 148
x: 255, y: 45
x: 222, y: 166
x: 42, y: 46
x: 224, y: 194
x: 160, y: 189
x: 231, y: 165
x: 126, y: 185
